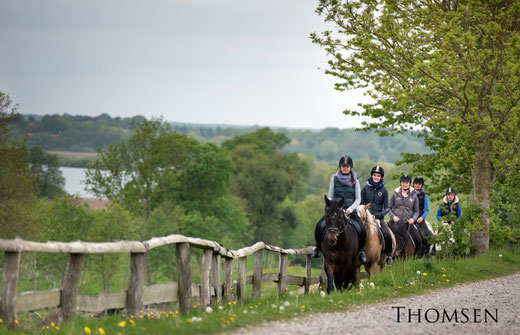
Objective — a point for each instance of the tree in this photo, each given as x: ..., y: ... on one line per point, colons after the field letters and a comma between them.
x: 451, y: 68
x: 46, y: 170
x: 17, y: 192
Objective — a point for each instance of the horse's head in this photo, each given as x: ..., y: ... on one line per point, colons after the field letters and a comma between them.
x: 334, y: 219
x: 364, y: 214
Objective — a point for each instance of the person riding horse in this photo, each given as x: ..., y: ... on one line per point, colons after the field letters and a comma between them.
x: 344, y: 184
x: 424, y: 209
x: 403, y: 207
x: 375, y: 194
x: 449, y: 207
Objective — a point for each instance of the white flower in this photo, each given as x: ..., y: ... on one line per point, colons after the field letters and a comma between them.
x: 209, y: 309
x: 418, y: 272
x: 412, y: 283
x: 499, y: 255
x: 281, y: 308
x: 286, y: 304
x: 273, y: 305
x: 220, y: 307
x: 371, y: 284
x: 361, y: 286
x: 245, y: 311
x: 322, y: 293
x: 235, y: 281
x: 196, y: 319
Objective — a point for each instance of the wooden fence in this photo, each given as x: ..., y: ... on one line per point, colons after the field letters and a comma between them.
x: 209, y: 291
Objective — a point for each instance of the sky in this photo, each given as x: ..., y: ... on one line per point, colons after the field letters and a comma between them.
x: 233, y: 62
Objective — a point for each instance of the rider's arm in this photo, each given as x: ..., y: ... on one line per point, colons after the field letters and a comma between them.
x: 363, y: 195
x: 426, y: 207
x: 439, y: 212
x: 358, y: 198
x: 391, y: 204
x: 385, y: 203
x: 459, y: 212
x: 415, y: 209
x: 331, y: 188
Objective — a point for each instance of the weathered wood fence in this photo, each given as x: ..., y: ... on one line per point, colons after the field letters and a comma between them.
x: 210, y: 290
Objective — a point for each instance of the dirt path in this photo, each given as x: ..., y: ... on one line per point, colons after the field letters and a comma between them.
x: 476, y: 306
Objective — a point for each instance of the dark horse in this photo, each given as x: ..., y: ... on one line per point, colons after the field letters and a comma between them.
x: 407, y: 239
x: 339, y: 248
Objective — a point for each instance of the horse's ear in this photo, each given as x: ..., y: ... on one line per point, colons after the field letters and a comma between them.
x: 341, y: 202
x: 367, y: 206
x: 327, y: 202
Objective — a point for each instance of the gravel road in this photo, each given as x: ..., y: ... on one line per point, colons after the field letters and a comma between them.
x: 465, y: 309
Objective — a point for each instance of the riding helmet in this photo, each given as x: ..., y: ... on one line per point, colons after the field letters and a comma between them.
x: 346, y: 160
x: 405, y: 177
x: 450, y: 190
x: 418, y: 180
x: 378, y: 169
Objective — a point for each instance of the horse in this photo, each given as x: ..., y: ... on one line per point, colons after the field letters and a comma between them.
x: 339, y: 248
x: 406, y: 245
x: 373, y: 246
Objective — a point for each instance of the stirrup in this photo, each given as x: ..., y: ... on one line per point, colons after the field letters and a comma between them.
x: 389, y: 260
x: 361, y: 257
x: 315, y: 253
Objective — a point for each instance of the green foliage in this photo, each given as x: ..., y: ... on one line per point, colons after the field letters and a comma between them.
x: 17, y: 192
x: 46, y: 170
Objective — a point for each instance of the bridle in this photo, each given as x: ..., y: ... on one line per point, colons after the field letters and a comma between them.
x: 336, y: 231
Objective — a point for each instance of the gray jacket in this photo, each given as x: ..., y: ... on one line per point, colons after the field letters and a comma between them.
x: 404, y: 207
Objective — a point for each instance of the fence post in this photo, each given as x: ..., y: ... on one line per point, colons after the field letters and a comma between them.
x: 282, y: 274
x: 215, y: 277
x: 183, y: 261
x: 257, y: 274
x: 134, y: 297
x: 323, y: 279
x: 241, y: 287
x: 205, y: 271
x: 228, y: 278
x: 307, y: 273
x: 70, y: 287
x: 10, y: 281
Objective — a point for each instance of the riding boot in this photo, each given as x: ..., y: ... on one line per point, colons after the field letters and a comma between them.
x: 389, y: 243
x: 362, y: 240
x: 318, y: 236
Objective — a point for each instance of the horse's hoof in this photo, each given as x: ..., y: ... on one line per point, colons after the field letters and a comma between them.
x: 315, y: 253
x: 389, y: 260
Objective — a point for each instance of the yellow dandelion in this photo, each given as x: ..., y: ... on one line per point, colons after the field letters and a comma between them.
x: 57, y: 328
x: 52, y: 324
x: 399, y: 286
x: 1, y: 321
x: 447, y: 280
x: 424, y: 274
x: 132, y: 322
x: 101, y: 331
x: 303, y: 306
x: 189, y: 320
x: 122, y: 324
x: 141, y: 317
x: 250, y: 307
x: 15, y: 322
x: 443, y: 275
x: 87, y: 330
x: 443, y: 269
x: 119, y: 333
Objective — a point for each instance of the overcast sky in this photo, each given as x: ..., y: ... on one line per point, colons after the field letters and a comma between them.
x: 238, y: 62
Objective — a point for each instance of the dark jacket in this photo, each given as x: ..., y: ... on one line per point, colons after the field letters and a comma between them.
x: 404, y: 207
x: 378, y: 199
x: 446, y: 207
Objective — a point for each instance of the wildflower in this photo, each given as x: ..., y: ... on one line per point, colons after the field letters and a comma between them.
x: 141, y: 317
x: 286, y: 304
x: 443, y: 269
x: 87, y: 330
x: 447, y: 280
x: 52, y: 324
x: 371, y: 284
x: 273, y: 305
x: 15, y: 321
x: 361, y: 286
x: 132, y: 322
x: 250, y: 307
x: 418, y: 272
x: 57, y: 328
x: 122, y: 324
x: 209, y: 309
x: 101, y: 331
x: 443, y: 275
x: 1, y: 321
x: 399, y: 286
x: 425, y: 274
x: 322, y: 293
x: 281, y: 308
x: 303, y: 306
x: 412, y: 283
x: 220, y: 307
x: 499, y: 255
x: 189, y: 320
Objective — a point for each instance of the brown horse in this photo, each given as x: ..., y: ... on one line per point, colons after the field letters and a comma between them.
x: 339, y: 248
x: 373, y: 246
x: 406, y: 245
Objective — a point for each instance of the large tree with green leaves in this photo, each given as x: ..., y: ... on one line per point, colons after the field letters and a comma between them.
x: 451, y: 68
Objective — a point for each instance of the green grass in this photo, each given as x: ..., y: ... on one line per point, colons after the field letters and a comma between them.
x: 395, y: 282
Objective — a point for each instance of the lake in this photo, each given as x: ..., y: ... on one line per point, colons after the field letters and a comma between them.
x: 75, y: 181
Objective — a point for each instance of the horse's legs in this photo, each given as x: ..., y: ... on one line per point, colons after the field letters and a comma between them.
x: 329, y: 271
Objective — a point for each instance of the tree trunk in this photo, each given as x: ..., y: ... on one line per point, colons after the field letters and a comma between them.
x: 481, y: 194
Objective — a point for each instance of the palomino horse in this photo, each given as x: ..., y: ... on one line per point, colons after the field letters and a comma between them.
x: 339, y: 248
x: 406, y: 242
x: 373, y: 246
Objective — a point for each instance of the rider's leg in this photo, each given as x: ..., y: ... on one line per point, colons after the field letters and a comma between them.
x: 362, y: 238
x: 318, y: 235
x: 389, y: 243
x: 414, y: 233
x: 428, y: 235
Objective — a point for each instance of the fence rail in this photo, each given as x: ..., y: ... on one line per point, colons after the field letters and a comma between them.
x: 215, y: 259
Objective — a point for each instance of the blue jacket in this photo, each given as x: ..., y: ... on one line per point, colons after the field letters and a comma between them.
x: 446, y: 207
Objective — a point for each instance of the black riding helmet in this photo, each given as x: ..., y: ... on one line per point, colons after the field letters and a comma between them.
x: 405, y: 177
x: 346, y: 160
x: 450, y: 190
x: 378, y: 169
x: 418, y: 180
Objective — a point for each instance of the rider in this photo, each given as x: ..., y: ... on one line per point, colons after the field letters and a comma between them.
x: 344, y: 184
x: 424, y: 208
x: 375, y: 193
x: 449, y: 204
x: 403, y: 206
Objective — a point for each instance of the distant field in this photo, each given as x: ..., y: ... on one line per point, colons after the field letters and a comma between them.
x: 73, y: 154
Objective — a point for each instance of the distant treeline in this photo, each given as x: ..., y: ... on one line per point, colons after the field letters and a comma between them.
x: 87, y: 134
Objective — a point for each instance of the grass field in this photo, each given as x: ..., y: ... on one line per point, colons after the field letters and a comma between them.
x: 401, y: 280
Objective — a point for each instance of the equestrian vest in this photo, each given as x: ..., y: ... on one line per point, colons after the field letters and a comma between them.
x: 403, y: 206
x: 374, y: 196
x: 345, y: 192
x: 420, y: 196
x: 446, y: 209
